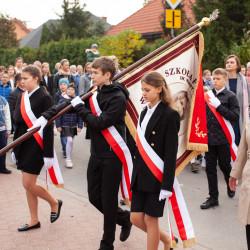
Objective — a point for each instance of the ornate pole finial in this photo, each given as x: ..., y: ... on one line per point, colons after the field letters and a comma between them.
x: 212, y: 17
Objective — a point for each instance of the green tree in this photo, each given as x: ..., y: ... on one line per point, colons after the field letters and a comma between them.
x: 123, y: 46
x: 74, y: 20
x: 7, y: 32
x: 243, y: 50
x: 98, y: 28
x: 224, y: 32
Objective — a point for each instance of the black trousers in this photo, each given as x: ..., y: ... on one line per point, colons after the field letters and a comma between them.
x: 223, y: 155
x: 248, y: 236
x: 104, y: 176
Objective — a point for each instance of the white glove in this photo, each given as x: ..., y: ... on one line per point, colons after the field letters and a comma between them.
x: 77, y: 100
x: 164, y: 194
x: 215, y: 102
x: 40, y: 122
x: 48, y: 162
x: 13, y: 157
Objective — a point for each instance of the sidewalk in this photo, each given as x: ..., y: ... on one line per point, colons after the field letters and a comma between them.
x: 79, y: 226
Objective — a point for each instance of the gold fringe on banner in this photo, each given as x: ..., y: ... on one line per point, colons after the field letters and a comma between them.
x: 186, y: 161
x: 189, y: 243
x: 60, y: 186
x: 173, y: 244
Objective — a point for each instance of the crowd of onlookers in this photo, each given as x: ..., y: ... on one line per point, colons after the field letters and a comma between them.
x: 66, y: 81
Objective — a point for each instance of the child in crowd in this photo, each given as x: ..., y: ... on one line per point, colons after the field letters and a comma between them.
x: 67, y: 124
x: 92, y: 53
x: 5, y: 128
x: 5, y: 88
x: 207, y: 79
x: 63, y: 84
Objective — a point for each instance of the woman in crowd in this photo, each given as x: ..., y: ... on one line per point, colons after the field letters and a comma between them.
x: 47, y: 78
x: 63, y: 72
x: 157, y: 131
x: 239, y: 85
x: 12, y: 72
x: 30, y: 155
x: 85, y: 80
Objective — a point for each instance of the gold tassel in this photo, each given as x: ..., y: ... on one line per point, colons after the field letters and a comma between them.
x: 189, y: 243
x: 127, y: 202
x: 60, y: 185
x: 173, y: 244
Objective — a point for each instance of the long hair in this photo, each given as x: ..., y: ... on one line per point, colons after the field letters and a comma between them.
x: 155, y: 79
x: 43, y: 65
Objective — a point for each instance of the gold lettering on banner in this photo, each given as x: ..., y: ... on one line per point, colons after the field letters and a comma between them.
x: 199, y: 134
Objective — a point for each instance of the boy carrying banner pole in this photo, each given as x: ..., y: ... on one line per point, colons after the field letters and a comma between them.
x: 104, y: 114
x: 222, y: 109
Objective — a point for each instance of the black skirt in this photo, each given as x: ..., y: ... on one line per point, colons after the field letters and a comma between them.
x: 68, y: 131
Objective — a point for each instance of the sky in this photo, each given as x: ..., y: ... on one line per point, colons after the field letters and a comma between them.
x: 37, y: 12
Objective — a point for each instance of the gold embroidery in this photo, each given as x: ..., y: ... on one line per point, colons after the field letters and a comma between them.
x: 199, y: 134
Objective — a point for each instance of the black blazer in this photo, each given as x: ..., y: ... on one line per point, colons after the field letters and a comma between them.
x: 162, y: 135
x: 50, y: 86
x: 29, y: 152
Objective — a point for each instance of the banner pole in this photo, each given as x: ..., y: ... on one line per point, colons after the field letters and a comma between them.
x: 33, y: 131
x: 205, y: 21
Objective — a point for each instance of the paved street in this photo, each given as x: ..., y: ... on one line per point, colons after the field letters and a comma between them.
x: 80, y: 224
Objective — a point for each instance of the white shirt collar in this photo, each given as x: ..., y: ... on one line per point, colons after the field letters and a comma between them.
x: 219, y: 91
x: 151, y: 110
x: 34, y: 91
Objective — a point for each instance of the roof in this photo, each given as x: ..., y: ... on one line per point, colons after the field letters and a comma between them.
x: 145, y: 20
x: 34, y: 37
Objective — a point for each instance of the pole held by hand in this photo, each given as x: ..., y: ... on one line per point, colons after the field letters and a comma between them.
x: 33, y: 131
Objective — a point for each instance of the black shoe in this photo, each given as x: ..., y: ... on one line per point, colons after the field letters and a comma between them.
x: 209, y: 203
x: 26, y: 227
x: 5, y: 171
x: 125, y: 232
x: 54, y: 216
x: 64, y: 154
x: 230, y: 193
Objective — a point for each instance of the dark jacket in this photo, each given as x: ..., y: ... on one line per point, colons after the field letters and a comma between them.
x: 57, y: 96
x: 59, y: 75
x: 91, y: 56
x: 229, y: 109
x: 50, y: 88
x: 13, y: 96
x: 70, y: 119
x: 162, y: 135
x: 112, y: 101
x: 29, y: 152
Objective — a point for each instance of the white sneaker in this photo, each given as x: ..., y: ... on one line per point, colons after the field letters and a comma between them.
x: 203, y: 162
x: 68, y: 163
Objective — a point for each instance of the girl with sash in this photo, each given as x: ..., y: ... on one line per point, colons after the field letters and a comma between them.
x: 36, y: 151
x: 157, y: 140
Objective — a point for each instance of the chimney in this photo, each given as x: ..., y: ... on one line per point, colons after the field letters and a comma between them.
x: 104, y: 18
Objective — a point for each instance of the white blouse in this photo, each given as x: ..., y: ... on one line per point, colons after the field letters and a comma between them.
x: 147, y: 116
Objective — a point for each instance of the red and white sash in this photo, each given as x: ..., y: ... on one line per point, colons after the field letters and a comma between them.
x: 225, y: 125
x: 119, y: 146
x: 156, y: 166
x: 30, y: 118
